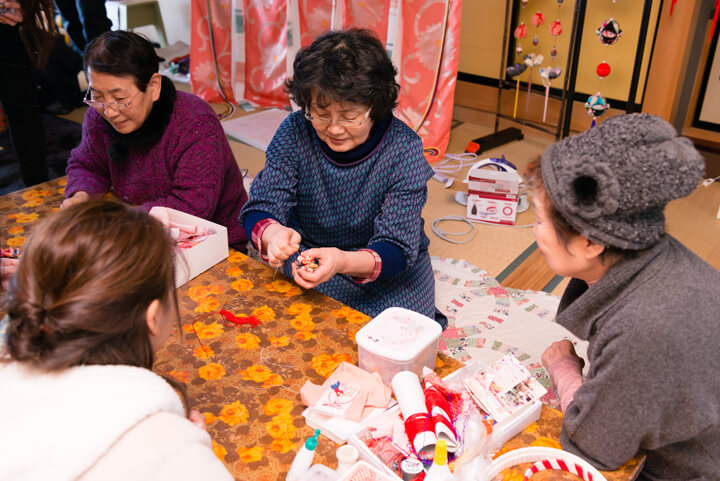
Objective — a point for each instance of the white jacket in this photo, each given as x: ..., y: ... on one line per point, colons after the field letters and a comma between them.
x: 98, y: 422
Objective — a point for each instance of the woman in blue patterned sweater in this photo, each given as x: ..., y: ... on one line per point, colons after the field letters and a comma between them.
x: 345, y: 182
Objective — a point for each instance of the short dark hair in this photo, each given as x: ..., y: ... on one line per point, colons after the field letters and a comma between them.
x: 564, y: 230
x: 345, y: 66
x: 123, y: 54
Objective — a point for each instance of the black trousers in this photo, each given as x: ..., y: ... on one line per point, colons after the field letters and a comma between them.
x: 84, y: 20
x: 19, y: 99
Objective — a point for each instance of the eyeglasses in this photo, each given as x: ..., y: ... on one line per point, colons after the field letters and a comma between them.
x: 119, y: 106
x: 356, y: 122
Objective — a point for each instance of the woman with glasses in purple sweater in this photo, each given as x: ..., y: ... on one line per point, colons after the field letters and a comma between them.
x: 149, y: 144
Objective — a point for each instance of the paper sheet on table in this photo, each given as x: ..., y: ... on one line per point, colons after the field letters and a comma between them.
x: 256, y: 129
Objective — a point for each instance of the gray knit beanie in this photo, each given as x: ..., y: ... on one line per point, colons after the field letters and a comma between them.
x: 612, y: 182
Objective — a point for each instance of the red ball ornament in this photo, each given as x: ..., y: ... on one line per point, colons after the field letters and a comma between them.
x: 603, y: 69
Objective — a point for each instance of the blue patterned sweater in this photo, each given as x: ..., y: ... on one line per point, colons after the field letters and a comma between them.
x: 375, y: 202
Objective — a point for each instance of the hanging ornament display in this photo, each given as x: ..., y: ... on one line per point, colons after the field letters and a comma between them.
x: 547, y: 74
x: 531, y: 60
x: 520, y: 33
x: 515, y: 71
x: 596, y: 106
x: 556, y: 29
x: 609, y: 32
x: 537, y: 19
x: 523, y: 3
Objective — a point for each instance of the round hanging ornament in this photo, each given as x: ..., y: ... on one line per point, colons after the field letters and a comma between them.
x: 603, y: 69
x: 609, y: 32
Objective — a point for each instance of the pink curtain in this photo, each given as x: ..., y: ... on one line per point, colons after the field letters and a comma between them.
x: 266, y: 52
x: 203, y: 78
x: 424, y: 33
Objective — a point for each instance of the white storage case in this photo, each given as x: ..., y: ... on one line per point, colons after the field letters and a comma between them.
x: 502, y: 431
x: 398, y: 340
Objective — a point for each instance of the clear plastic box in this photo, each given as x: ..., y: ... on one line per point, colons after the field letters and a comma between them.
x: 398, y: 340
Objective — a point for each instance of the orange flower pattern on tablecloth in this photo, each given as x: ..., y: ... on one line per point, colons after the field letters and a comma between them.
x: 207, y: 304
x: 261, y: 374
x: 241, y: 285
x: 209, y: 418
x: 293, y: 291
x: 236, y: 256
x: 356, y: 317
x: 279, y: 285
x: 234, y: 271
x: 18, y: 229
x: 62, y: 181
x: 182, y: 376
x: 203, y: 352
x: 544, y: 441
x: 16, y: 241
x: 34, y: 194
x: 219, y: 450
x: 250, y: 455
x: 302, y: 322
x: 235, y: 413
x: 24, y: 218
x: 264, y: 313
x: 325, y: 364
x: 352, y: 333
x: 278, y: 406
x: 245, y: 340
x: 342, y: 312
x: 279, y: 341
x: 281, y: 427
x: 203, y: 331
x: 61, y: 191
x: 305, y: 335
x: 34, y: 202
x: 299, y: 308
x: 211, y: 371
x: 282, y: 445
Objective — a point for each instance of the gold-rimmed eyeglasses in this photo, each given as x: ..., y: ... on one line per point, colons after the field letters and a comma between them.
x: 119, y: 106
x: 356, y: 122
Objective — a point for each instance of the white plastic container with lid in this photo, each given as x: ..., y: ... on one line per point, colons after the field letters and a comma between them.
x: 398, y: 340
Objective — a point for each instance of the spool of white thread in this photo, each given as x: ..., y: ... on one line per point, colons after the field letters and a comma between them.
x: 347, y: 456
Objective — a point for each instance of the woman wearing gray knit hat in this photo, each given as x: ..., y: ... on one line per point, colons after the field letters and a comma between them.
x: 647, y: 305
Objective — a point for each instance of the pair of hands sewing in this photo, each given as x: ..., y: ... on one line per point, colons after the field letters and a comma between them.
x: 280, y: 242
x: 12, y: 14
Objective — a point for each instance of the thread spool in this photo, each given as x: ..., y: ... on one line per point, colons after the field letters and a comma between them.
x: 410, y: 468
x: 347, y: 456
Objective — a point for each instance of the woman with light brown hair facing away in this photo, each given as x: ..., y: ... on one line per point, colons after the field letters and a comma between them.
x: 91, y: 301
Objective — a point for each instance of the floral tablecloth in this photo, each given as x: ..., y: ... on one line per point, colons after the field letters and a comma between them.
x: 246, y: 379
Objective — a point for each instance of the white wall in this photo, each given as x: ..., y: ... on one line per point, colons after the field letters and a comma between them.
x: 176, y: 19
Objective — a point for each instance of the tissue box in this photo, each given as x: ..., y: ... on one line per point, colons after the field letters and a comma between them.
x: 492, y: 196
x: 398, y: 340
x: 193, y: 261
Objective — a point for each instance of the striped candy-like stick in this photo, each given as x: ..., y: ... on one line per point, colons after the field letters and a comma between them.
x: 559, y: 464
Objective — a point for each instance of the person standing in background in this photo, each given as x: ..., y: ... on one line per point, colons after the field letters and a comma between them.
x: 84, y: 20
x: 26, y: 37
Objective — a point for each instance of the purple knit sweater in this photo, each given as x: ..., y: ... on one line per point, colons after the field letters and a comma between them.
x: 191, y: 168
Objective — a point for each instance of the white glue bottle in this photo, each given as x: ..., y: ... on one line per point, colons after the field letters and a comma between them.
x: 439, y: 470
x: 304, y: 458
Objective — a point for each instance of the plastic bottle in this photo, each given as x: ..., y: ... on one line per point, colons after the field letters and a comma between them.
x: 439, y: 470
x: 304, y: 458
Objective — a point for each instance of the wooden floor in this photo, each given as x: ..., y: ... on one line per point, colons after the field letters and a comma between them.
x: 509, y: 253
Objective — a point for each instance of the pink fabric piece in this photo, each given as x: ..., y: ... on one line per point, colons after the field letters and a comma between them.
x: 566, y: 375
x: 373, y: 392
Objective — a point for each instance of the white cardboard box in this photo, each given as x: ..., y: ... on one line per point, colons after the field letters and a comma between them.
x: 492, y: 196
x: 193, y: 261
